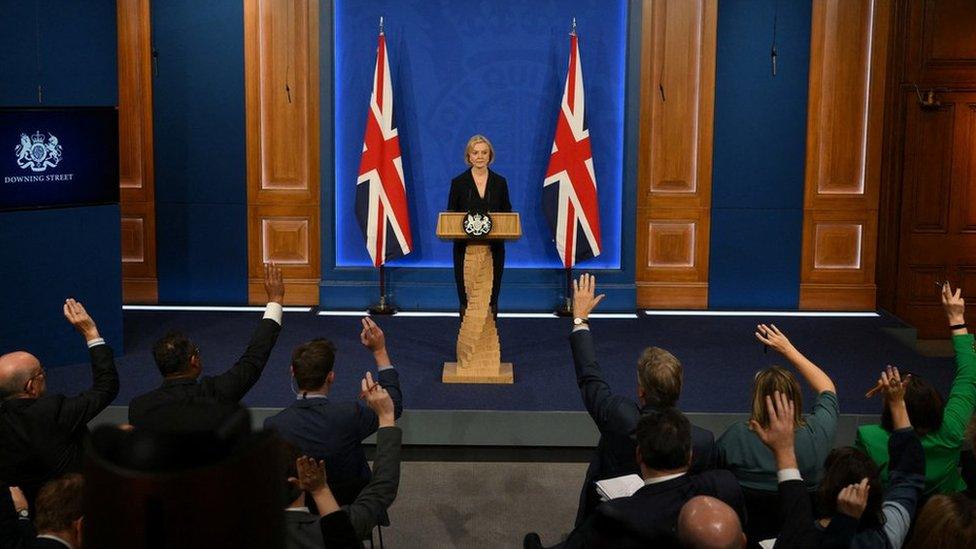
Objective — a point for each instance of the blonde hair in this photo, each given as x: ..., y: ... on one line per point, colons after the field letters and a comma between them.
x: 659, y: 373
x: 475, y: 139
x: 776, y: 379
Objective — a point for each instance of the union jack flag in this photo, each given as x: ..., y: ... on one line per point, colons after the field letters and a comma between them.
x: 381, y: 193
x: 569, y: 189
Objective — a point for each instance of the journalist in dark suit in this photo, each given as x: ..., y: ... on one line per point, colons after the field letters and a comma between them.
x: 178, y: 359
x: 59, y: 517
x: 659, y: 377
x: 333, y: 429
x: 649, y: 517
x: 481, y: 190
x: 41, y: 434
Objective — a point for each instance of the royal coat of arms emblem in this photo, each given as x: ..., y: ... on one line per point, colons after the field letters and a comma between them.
x: 37, y: 152
x: 477, y: 224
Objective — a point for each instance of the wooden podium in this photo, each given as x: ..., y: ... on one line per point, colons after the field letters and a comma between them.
x: 478, y: 350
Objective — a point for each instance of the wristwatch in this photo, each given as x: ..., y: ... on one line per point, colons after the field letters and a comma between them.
x: 580, y: 322
x: 23, y: 513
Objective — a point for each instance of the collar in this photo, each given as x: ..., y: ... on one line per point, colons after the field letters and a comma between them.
x: 306, y: 396
x: 56, y: 538
x: 665, y: 478
x: 298, y: 509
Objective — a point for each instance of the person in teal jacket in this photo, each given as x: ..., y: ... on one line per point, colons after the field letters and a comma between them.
x: 941, y: 424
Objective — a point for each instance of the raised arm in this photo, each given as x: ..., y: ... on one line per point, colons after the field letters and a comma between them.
x: 962, y: 396
x: 233, y: 384
x: 818, y: 379
x: 373, y: 338
x: 79, y: 410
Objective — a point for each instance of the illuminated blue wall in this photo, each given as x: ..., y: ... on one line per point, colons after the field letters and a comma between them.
x: 492, y: 68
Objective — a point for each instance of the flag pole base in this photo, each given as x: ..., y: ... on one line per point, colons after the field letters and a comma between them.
x: 382, y: 308
x: 566, y: 309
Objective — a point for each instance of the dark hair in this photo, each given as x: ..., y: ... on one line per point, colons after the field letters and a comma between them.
x: 659, y: 374
x: 290, y: 453
x: 664, y: 439
x: 311, y: 363
x: 59, y: 503
x: 924, y: 404
x: 173, y: 352
x: 846, y: 466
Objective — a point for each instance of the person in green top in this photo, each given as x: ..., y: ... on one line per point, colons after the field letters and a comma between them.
x: 940, y: 424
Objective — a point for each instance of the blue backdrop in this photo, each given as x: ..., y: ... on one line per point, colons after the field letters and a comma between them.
x: 759, y: 154
x: 494, y: 68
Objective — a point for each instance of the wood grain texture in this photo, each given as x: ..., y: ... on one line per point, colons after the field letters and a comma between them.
x: 675, y: 152
x: 281, y: 81
x: 137, y: 193
x: 845, y: 135
x: 941, y: 51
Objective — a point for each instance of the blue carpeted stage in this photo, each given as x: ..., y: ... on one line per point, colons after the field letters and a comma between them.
x: 720, y: 356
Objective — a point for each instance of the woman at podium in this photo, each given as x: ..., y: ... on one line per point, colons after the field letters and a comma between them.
x: 479, y: 189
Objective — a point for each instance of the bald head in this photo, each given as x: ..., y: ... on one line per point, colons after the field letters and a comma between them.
x: 709, y: 523
x: 16, y: 369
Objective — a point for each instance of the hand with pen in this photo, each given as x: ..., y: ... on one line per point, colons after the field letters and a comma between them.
x: 378, y: 399
x: 771, y: 336
x: 372, y: 338
x: 891, y: 382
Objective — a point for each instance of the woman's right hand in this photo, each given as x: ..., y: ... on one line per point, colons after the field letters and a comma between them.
x: 953, y: 304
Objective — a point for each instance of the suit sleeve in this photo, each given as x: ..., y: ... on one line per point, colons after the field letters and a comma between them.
x: 610, y: 412
x: 233, y: 384
x: 337, y: 531
x: 506, y: 204
x: 79, y: 410
x: 379, y: 494
x: 389, y: 379
x: 906, y: 480
x: 798, y: 528
x: 15, y: 533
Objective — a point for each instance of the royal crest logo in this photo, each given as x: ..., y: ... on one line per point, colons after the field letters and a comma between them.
x: 37, y: 153
x: 477, y: 224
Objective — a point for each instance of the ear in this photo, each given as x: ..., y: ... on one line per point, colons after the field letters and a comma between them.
x: 330, y: 379
x: 291, y: 368
x: 79, y: 525
x: 639, y: 456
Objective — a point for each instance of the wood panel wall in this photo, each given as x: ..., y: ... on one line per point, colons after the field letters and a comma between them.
x: 281, y: 47
x: 675, y: 152
x: 137, y: 197
x: 848, y: 60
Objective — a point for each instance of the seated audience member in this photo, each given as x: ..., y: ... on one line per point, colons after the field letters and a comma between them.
x: 178, y: 360
x: 41, y: 434
x: 659, y: 377
x: 648, y: 518
x: 855, y: 510
x: 945, y: 521
x: 59, y: 516
x: 332, y: 429
x: 345, y: 526
x: 940, y: 424
x: 709, y: 523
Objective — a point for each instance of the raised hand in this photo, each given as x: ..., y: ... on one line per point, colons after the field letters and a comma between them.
x: 274, y: 284
x: 891, y: 382
x: 311, y: 474
x: 583, y: 299
x: 378, y: 400
x: 771, y: 336
x: 18, y: 497
x: 779, y: 435
x: 853, y: 499
x: 953, y: 304
x: 76, y: 314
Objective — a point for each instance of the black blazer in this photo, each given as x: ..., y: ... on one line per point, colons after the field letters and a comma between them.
x: 616, y: 417
x: 464, y: 194
x: 230, y: 386
x: 648, y: 518
x: 42, y: 438
x: 333, y: 430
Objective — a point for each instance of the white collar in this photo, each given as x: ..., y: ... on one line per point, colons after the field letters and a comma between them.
x: 298, y: 509
x: 665, y: 478
x: 56, y: 538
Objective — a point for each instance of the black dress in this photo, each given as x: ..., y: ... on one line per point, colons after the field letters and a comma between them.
x: 465, y: 198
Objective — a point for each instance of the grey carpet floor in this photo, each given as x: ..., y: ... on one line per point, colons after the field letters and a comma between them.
x: 484, y: 504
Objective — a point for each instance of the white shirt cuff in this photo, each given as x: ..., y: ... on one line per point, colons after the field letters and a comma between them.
x: 784, y: 475
x: 381, y: 368
x: 580, y: 327
x: 95, y: 342
x: 273, y: 311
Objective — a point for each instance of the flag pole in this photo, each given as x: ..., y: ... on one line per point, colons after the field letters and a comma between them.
x: 383, y: 307
x: 566, y: 309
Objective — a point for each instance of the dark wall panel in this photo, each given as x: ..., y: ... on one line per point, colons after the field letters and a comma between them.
x: 198, y: 104
x: 759, y: 153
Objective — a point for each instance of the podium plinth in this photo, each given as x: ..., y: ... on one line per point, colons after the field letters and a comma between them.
x: 478, y: 349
